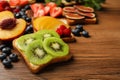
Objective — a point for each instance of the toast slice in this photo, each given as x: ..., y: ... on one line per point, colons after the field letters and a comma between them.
x: 35, y: 68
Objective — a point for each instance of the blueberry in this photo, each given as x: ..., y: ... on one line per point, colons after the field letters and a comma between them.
x: 27, y: 7
x: 29, y: 29
x: 24, y: 17
x: 17, y: 15
x: 2, y: 46
x: 23, y: 10
x: 28, y: 19
x: 76, y: 32
x: 22, y: 13
x: 13, y: 57
x: 80, y: 27
x: 85, y: 33
x: 3, y: 56
x: 7, y: 63
x: 6, y: 50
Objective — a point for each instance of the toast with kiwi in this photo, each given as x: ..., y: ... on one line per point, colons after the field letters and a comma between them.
x: 41, y: 49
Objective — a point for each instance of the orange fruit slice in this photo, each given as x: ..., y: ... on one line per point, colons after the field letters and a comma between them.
x: 47, y: 22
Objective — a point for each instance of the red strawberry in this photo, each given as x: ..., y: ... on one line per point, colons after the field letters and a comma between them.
x: 47, y: 10
x: 62, y: 27
x: 14, y: 2
x: 67, y: 32
x: 60, y: 32
x: 39, y: 13
x: 35, y: 7
x: 4, y: 4
x: 23, y: 2
x: 51, y: 5
x: 56, y: 11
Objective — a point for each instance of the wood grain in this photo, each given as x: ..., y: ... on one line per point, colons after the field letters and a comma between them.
x: 95, y: 58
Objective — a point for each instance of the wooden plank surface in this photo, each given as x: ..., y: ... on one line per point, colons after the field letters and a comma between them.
x: 95, y: 58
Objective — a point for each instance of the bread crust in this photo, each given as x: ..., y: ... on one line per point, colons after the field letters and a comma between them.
x: 37, y: 68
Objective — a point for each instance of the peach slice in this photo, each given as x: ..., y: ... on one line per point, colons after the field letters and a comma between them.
x: 17, y: 30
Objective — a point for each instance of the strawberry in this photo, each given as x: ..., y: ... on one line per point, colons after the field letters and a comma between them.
x: 62, y: 27
x: 35, y: 7
x: 56, y: 11
x: 23, y: 2
x: 67, y: 32
x: 14, y: 2
x: 60, y: 32
x: 3, y: 5
x: 39, y: 13
x: 51, y: 5
x: 47, y: 10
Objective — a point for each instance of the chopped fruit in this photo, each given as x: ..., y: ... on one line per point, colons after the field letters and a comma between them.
x: 47, y: 10
x: 56, y: 11
x: 29, y: 29
x: 8, y: 8
x: 23, y: 2
x: 3, y: 5
x: 14, y: 2
x: 51, y: 5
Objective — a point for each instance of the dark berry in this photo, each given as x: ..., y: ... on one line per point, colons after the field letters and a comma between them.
x: 29, y: 29
x: 28, y: 19
x: 3, y: 56
x: 22, y: 13
x: 6, y: 50
x: 80, y: 27
x: 13, y: 57
x: 85, y: 33
x: 23, y: 10
x: 76, y: 32
x: 17, y: 15
x: 16, y: 10
x: 2, y: 46
x: 7, y: 63
x: 27, y: 7
x: 68, y: 0
x: 24, y: 17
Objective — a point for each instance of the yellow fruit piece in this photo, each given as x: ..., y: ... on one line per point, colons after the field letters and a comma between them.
x: 8, y: 34
x: 47, y: 22
x: 5, y: 15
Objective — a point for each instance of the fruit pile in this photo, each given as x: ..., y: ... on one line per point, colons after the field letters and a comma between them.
x: 7, y: 56
x: 42, y: 47
x: 49, y: 9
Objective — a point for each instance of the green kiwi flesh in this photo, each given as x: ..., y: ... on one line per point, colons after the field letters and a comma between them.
x: 36, y: 53
x: 56, y: 47
x: 58, y: 2
x: 23, y: 41
x: 47, y: 33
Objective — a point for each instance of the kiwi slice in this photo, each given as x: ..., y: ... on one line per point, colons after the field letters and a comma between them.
x: 58, y: 2
x: 36, y: 53
x: 56, y: 47
x: 47, y: 33
x: 23, y: 41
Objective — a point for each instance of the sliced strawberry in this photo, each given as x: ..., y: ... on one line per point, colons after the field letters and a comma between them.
x: 66, y: 32
x: 36, y: 6
x: 23, y: 2
x: 14, y: 2
x: 39, y: 13
x: 47, y: 10
x: 51, y: 5
x: 56, y: 11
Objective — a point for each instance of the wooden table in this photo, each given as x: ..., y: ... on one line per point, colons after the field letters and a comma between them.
x: 95, y: 58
